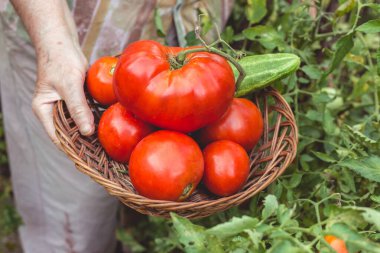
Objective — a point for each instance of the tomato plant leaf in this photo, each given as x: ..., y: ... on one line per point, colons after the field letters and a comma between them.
x: 269, y: 37
x: 345, y: 8
x: 234, y: 226
x: 324, y: 157
x: 270, y: 206
x: 256, y: 10
x: 262, y: 70
x: 312, y: 71
x: 372, y: 216
x: 343, y: 47
x: 372, y: 26
x: 373, y: 6
x: 158, y: 23
x: 190, y: 235
x: 368, y: 167
x: 128, y: 240
x: 361, y: 138
x: 283, y: 246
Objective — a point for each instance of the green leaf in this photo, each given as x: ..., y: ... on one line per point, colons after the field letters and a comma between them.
x: 294, y: 181
x: 314, y: 115
x: 270, y: 206
x: 329, y: 124
x: 158, y: 23
x: 368, y: 167
x: 324, y: 157
x: 372, y: 216
x: 372, y: 26
x: 269, y: 37
x: 233, y: 227
x: 376, y: 198
x: 128, y: 240
x: 282, y: 246
x: 285, y: 214
x: 345, y: 8
x: 360, y: 137
x: 343, y: 47
x: 190, y: 235
x: 256, y: 10
x: 375, y: 7
x: 262, y: 70
x: 312, y: 71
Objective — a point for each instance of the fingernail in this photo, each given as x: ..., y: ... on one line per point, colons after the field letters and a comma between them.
x: 87, y: 129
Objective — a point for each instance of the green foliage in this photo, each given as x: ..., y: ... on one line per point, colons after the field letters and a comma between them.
x: 9, y: 218
x: 333, y: 186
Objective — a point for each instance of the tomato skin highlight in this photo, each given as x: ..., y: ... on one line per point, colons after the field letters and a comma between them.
x: 227, y: 167
x: 242, y: 123
x: 184, y: 99
x: 337, y: 244
x: 119, y: 132
x: 100, y: 80
x: 166, y: 165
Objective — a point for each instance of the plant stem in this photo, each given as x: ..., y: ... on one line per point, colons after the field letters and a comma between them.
x: 182, y: 56
x: 357, y: 16
x: 371, y: 67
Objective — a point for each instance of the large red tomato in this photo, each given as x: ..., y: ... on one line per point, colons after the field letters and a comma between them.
x: 119, y: 132
x: 242, y: 124
x: 100, y: 78
x: 226, y: 167
x: 166, y: 165
x: 337, y: 244
x: 182, y: 98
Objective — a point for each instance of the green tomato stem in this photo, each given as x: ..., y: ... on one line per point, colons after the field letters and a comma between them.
x: 182, y: 56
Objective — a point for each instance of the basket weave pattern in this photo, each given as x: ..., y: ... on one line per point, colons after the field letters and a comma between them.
x: 275, y: 151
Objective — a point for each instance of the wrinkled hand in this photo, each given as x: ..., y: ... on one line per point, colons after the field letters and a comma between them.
x: 61, y: 73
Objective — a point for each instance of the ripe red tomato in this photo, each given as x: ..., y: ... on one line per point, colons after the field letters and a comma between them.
x: 337, y: 244
x: 99, y: 80
x: 119, y: 132
x: 183, y: 99
x: 166, y: 165
x: 226, y: 167
x: 242, y: 123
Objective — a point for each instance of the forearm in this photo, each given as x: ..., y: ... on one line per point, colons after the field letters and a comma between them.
x: 46, y: 21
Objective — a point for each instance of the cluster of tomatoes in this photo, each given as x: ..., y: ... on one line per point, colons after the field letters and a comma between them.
x: 162, y: 112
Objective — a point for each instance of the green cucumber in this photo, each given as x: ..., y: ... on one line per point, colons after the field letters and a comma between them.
x: 262, y: 70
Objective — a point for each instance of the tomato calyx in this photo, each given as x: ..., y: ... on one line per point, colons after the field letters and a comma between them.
x: 181, y: 58
x: 186, y: 192
x: 174, y: 64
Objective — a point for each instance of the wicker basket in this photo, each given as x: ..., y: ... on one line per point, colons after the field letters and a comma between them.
x: 275, y: 151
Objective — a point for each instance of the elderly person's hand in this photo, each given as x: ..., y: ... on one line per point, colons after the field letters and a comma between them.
x: 61, y: 73
x: 61, y: 65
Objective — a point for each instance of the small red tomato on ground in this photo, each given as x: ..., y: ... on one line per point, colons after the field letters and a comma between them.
x: 337, y: 244
x: 100, y: 80
x: 119, y: 132
x: 166, y: 165
x: 226, y: 167
x: 242, y: 123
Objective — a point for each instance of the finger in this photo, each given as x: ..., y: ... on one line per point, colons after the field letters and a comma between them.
x: 44, y: 112
x: 76, y: 102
